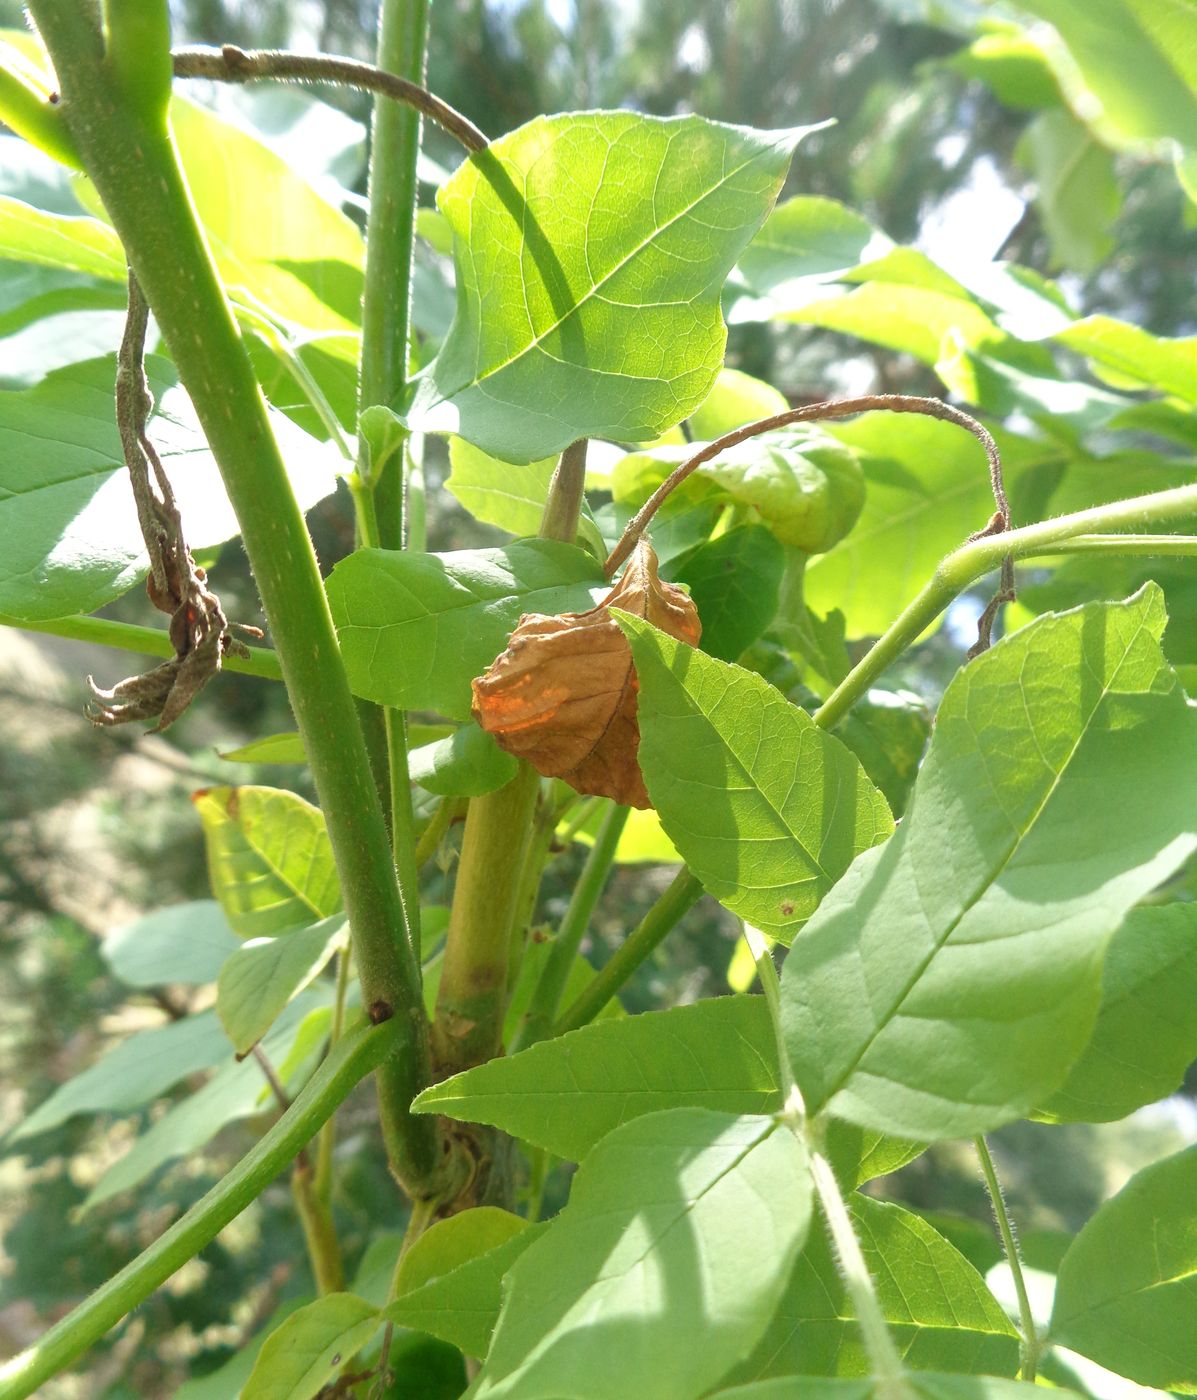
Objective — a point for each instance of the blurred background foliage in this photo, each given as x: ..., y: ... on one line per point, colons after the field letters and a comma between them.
x: 950, y: 134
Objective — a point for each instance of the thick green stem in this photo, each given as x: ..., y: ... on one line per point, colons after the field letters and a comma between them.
x: 136, y: 173
x: 1029, y: 1336
x: 975, y: 559
x: 472, y: 997
x: 682, y: 895
x: 542, y: 1009
x: 566, y: 492
x: 357, y: 1054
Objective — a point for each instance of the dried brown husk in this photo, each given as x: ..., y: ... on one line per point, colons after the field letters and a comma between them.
x: 563, y: 695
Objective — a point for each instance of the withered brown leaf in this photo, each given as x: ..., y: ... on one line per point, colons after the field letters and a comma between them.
x: 563, y: 694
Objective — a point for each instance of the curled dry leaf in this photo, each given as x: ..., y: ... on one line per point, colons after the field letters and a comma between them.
x: 563, y: 694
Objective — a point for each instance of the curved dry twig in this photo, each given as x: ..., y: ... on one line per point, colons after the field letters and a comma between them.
x: 998, y: 523
x: 229, y: 64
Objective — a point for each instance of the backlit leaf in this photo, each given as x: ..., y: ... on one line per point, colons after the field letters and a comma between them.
x: 311, y: 1347
x: 590, y: 249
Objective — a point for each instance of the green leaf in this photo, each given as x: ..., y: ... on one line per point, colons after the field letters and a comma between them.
x: 927, y: 491
x: 263, y: 975
x: 806, y: 486
x: 513, y: 498
x: 230, y: 1378
x: 460, y: 1278
x: 736, y: 399
x: 275, y: 748
x: 1013, y: 66
x: 310, y: 1348
x: 805, y: 243
x: 887, y: 730
x: 60, y: 240
x: 1132, y: 72
x: 567, y: 1093
x: 859, y: 1154
x: 642, y: 842
x: 1127, y: 1288
x: 734, y: 582
x: 269, y: 859
x: 767, y: 809
x: 416, y: 628
x: 940, y: 1314
x: 1146, y: 1032
x: 236, y: 1090
x: 613, y: 232
x: 949, y: 981
x: 69, y: 537
x: 1133, y: 357
x: 1075, y: 189
x: 448, y: 1283
x: 925, y: 1387
x: 467, y: 763
x: 184, y: 943
x: 536, y: 956
x: 676, y: 1217
x: 135, y: 1072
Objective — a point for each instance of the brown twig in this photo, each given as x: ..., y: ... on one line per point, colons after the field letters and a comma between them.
x: 846, y: 408
x: 229, y: 64
x: 199, y: 630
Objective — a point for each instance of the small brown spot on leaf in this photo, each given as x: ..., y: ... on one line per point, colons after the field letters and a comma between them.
x: 563, y: 694
x: 787, y: 907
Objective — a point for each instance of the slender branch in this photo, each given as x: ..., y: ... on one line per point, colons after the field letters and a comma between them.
x: 434, y: 833
x: 356, y: 1056
x: 546, y: 998
x: 979, y: 557
x: 889, y: 1374
x: 319, y: 1231
x: 135, y: 170
x: 1029, y: 1349
x: 145, y: 641
x: 230, y: 64
x: 766, y: 969
x: 683, y: 893
x: 328, y: 1134
x: 812, y: 413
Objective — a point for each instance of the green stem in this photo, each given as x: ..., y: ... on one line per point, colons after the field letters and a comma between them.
x: 472, y: 997
x: 328, y: 1134
x: 682, y: 895
x: 386, y: 333
x: 363, y: 1050
x: 889, y: 1374
x: 1029, y: 1348
x: 976, y: 558
x: 885, y: 1362
x: 145, y: 641
x: 542, y: 1009
x: 766, y: 970
x: 319, y: 1232
x: 536, y: 857
x: 25, y: 106
x: 434, y: 833
x: 136, y: 173
x: 566, y: 491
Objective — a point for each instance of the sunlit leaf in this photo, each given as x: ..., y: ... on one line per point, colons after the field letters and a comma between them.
x: 310, y: 1347
x: 949, y: 981
x: 608, y: 235
x: 767, y: 809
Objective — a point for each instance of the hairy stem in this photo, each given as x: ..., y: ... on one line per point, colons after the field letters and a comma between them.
x: 1029, y: 1337
x: 682, y: 895
x: 885, y: 1362
x: 134, y: 168
x: 230, y: 64
x: 356, y: 1055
